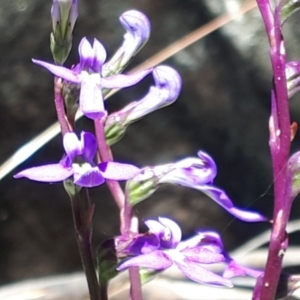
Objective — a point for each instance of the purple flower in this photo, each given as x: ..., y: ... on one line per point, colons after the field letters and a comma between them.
x: 193, y: 172
x: 137, y: 28
x: 78, y: 163
x: 165, y: 92
x: 162, y: 247
x: 88, y: 73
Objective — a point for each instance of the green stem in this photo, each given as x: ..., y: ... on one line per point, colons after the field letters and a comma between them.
x: 82, y: 216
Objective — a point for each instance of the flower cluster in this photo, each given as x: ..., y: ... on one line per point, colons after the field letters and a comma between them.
x: 162, y: 247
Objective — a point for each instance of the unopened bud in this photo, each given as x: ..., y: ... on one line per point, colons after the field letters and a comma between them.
x: 64, y: 14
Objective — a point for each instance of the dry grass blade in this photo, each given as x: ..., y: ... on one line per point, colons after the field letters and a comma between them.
x: 40, y: 140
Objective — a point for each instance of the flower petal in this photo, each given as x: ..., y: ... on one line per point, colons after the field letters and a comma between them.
x: 91, y: 98
x: 202, y: 255
x: 118, y: 171
x: 173, y: 231
x: 196, y: 273
x: 191, y: 171
x: 155, y: 227
x: 122, y: 81
x: 222, y: 199
x: 47, y: 173
x: 168, y: 79
x: 72, y: 145
x: 90, y: 178
x: 99, y: 56
x: 86, y: 54
x: 138, y: 29
x: 234, y: 270
x: 89, y: 145
x: 154, y: 260
x: 59, y: 71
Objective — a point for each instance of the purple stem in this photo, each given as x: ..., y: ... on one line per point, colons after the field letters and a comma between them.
x: 280, y: 136
x: 123, y: 204
x: 59, y: 106
x: 106, y: 156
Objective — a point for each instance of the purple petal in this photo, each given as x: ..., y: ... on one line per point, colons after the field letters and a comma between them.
x: 138, y: 28
x: 47, y: 173
x: 86, y: 54
x: 172, y: 236
x: 156, y: 228
x: 222, y: 199
x: 90, y: 178
x: 118, y: 171
x: 55, y: 14
x: 168, y: 80
x: 73, y: 15
x: 206, y: 239
x: 196, y: 273
x: 72, y: 145
x: 247, y: 216
x: 122, y: 81
x: 164, y: 93
x: 154, y: 260
x: 190, y: 172
x: 143, y: 244
x: 89, y: 145
x: 234, y: 270
x: 99, y: 56
x: 202, y: 255
x: 91, y: 98
x: 59, y: 71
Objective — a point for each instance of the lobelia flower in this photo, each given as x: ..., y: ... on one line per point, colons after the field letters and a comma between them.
x: 88, y: 73
x: 165, y: 92
x: 162, y: 247
x: 197, y: 173
x: 137, y: 28
x: 78, y: 163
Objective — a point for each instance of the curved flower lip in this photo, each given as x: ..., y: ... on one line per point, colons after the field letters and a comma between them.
x: 137, y: 24
x: 191, y: 171
x: 167, y: 79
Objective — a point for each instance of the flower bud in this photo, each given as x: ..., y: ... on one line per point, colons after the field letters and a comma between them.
x: 64, y: 14
x: 288, y: 7
x: 141, y: 186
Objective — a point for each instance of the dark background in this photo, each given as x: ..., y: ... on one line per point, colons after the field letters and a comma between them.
x: 223, y: 109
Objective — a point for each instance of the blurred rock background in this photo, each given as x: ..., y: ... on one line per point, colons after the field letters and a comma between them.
x: 223, y: 109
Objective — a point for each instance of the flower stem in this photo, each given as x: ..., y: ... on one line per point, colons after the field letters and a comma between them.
x: 106, y: 155
x: 126, y: 217
x: 280, y: 147
x: 59, y: 106
x: 82, y: 216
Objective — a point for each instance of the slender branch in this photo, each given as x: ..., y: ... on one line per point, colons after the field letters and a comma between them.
x: 82, y: 216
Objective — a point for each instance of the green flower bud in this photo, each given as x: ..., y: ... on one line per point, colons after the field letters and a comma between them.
x: 64, y: 14
x: 141, y: 186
